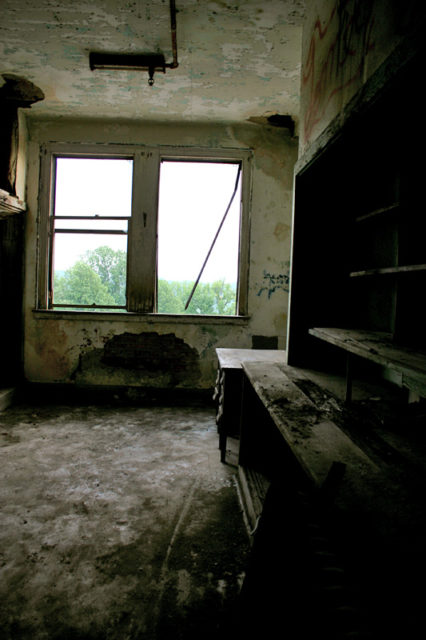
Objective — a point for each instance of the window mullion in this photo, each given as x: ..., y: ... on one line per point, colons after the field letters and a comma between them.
x: 244, y: 246
x: 47, y: 181
x: 142, y: 244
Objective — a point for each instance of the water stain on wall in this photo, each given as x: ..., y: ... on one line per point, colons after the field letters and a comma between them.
x: 282, y: 231
x: 50, y: 350
x: 269, y: 155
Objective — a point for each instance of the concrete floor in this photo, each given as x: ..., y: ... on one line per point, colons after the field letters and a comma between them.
x: 117, y: 523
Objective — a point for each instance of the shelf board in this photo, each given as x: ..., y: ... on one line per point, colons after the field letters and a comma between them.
x: 10, y: 205
x: 378, y: 347
x: 378, y: 212
x: 411, y: 268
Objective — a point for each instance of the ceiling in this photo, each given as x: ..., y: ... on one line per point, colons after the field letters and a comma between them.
x: 238, y: 60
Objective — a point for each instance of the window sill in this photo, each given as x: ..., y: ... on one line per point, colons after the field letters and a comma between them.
x: 146, y: 318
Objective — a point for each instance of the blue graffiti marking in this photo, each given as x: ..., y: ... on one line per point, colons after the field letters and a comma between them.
x: 274, y: 282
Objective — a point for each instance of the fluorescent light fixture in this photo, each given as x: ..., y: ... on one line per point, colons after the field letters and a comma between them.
x: 150, y: 62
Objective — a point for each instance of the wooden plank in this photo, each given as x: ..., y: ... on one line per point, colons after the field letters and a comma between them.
x: 411, y: 268
x: 244, y: 248
x: 314, y: 439
x: 378, y: 212
x: 46, y: 180
x: 253, y: 487
x: 378, y: 347
x: 233, y: 358
x: 10, y: 205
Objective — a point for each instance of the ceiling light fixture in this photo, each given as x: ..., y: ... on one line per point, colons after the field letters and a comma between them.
x: 150, y: 62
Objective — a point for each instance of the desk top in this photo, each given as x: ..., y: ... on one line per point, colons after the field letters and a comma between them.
x: 233, y: 358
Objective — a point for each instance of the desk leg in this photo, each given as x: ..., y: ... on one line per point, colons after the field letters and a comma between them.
x: 222, y: 446
x: 349, y: 372
x: 220, y: 417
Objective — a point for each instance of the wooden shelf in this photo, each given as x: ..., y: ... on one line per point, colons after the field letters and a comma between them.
x: 392, y: 208
x: 10, y: 205
x: 379, y: 348
x: 411, y: 268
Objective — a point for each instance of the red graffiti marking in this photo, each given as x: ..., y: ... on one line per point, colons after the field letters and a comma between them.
x: 347, y: 49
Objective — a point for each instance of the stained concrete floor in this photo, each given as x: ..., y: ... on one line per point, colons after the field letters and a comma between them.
x: 117, y: 523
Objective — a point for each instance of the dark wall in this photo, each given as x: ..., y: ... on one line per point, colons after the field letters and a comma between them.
x: 11, y: 270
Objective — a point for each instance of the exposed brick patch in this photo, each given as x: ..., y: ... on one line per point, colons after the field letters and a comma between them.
x: 154, y: 353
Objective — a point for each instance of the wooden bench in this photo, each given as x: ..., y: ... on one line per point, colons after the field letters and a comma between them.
x: 274, y: 408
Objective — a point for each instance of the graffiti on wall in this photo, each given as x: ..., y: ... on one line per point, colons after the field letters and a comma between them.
x: 273, y: 282
x: 336, y: 56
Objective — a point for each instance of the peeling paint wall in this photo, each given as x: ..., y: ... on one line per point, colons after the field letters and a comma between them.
x: 100, y: 349
x: 236, y: 59
x: 344, y: 42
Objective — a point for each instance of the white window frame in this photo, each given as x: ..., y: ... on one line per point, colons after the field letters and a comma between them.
x: 142, y: 233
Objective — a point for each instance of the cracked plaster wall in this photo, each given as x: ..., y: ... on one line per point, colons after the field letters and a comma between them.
x: 72, y: 350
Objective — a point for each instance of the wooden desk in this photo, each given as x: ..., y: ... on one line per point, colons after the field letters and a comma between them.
x: 358, y: 490
x: 228, y: 390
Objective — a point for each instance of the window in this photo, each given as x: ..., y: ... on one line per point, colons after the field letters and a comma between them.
x: 89, y: 228
x: 147, y: 230
x: 193, y: 208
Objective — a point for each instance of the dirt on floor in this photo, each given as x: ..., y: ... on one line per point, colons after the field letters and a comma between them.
x: 118, y: 523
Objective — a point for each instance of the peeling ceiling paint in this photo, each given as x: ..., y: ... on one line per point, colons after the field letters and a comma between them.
x: 237, y: 59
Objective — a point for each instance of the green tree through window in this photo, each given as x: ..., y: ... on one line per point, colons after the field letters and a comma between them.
x: 81, y: 285
x: 100, y: 277
x: 111, y: 267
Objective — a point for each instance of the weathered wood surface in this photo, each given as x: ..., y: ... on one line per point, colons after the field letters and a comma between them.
x: 378, y: 212
x: 9, y: 205
x: 233, y: 358
x: 378, y: 347
x: 315, y: 440
x: 253, y: 487
x: 409, y: 268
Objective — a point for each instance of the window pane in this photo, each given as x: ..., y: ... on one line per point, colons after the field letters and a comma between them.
x: 193, y: 198
x: 93, y: 186
x: 89, y: 269
x: 95, y: 224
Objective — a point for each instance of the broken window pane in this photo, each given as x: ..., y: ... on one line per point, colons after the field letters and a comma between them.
x: 193, y: 198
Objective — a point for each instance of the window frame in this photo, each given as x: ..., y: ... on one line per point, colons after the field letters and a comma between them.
x: 141, y: 277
